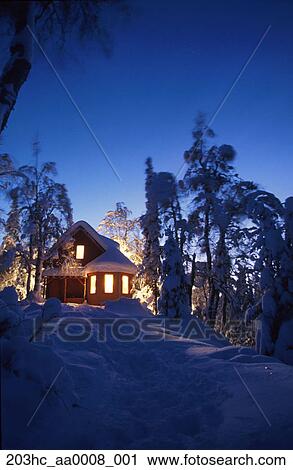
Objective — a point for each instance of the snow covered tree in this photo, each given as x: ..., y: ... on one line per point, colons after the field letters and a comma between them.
x: 8, y: 177
x: 229, y: 216
x: 12, y: 225
x: 150, y: 269
x: 166, y: 190
x: 283, y: 347
x: 47, y: 19
x: 209, y: 172
x: 286, y: 265
x: 174, y: 298
x: 6, y: 171
x: 121, y: 227
x: 45, y: 212
x: 216, y: 195
x: 12, y: 269
x: 266, y: 212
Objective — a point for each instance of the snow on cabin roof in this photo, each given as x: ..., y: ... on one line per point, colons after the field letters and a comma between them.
x: 105, y: 242
x: 76, y: 272
x: 113, y: 261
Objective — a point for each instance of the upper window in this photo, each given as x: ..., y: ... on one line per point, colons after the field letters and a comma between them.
x: 108, y: 283
x: 125, y: 284
x: 93, y: 284
x: 79, y: 251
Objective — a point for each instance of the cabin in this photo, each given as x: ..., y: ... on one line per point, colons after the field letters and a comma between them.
x: 85, y: 266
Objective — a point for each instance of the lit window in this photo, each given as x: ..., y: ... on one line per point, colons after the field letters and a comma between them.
x: 109, y: 283
x: 79, y: 251
x: 93, y: 284
x: 125, y: 284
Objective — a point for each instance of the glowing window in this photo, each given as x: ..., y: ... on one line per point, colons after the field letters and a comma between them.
x: 125, y: 284
x: 79, y: 251
x: 93, y: 284
x: 108, y: 283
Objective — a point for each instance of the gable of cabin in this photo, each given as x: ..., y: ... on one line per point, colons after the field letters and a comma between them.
x: 91, y: 248
x: 86, y: 248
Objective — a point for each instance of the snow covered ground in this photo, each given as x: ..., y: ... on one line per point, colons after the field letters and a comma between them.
x: 193, y: 393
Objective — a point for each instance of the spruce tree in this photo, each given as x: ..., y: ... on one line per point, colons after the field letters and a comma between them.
x: 151, y: 229
x: 174, y: 298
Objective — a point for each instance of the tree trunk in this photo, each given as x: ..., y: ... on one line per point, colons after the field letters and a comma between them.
x: 28, y: 281
x: 216, y: 303
x: 192, y: 278
x: 39, y: 269
x: 18, y: 66
x: 212, y: 305
x: 224, y: 313
x: 156, y: 298
x: 29, y: 267
x: 207, y: 247
x: 212, y: 290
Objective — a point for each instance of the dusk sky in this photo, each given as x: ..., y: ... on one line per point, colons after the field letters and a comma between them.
x: 170, y: 60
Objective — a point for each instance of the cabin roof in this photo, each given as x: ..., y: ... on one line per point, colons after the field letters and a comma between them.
x: 103, y: 241
x: 111, y: 260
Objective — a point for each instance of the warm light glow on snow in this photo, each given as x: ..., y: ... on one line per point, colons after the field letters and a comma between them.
x: 125, y: 284
x: 79, y: 251
x: 93, y: 284
x: 108, y: 283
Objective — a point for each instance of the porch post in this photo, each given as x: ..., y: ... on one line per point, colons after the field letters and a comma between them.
x: 45, y: 288
x: 84, y: 289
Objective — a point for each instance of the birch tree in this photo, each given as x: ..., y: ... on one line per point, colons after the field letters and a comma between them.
x: 45, y: 212
x: 119, y: 225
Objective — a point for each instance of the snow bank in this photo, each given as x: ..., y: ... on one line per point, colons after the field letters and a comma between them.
x: 34, y: 297
x: 8, y: 318
x: 127, y: 307
x: 179, y: 393
x: 10, y: 311
x: 51, y: 309
x: 29, y: 372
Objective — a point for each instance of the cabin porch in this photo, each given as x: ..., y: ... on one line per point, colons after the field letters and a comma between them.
x: 66, y: 289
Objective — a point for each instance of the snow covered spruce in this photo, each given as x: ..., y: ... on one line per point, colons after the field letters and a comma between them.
x: 173, y: 301
x: 275, y: 263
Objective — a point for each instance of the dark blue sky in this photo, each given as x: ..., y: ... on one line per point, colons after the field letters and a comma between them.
x: 170, y: 60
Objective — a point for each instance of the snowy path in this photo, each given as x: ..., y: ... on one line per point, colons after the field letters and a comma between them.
x: 171, y: 394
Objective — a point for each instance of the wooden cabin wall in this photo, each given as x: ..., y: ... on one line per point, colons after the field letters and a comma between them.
x: 100, y: 296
